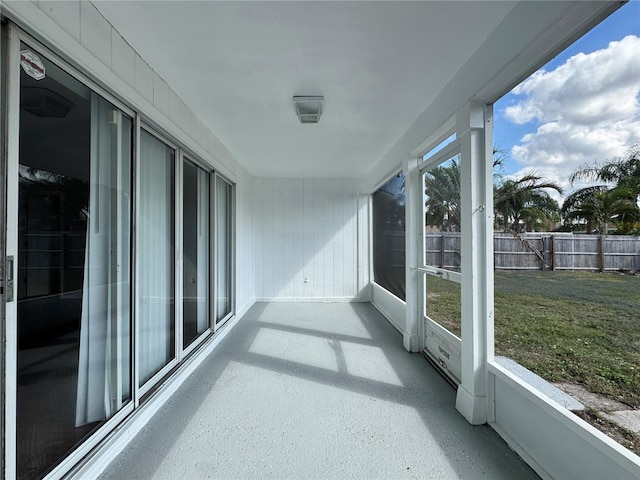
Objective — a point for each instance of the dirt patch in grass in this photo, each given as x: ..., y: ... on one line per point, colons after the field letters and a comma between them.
x: 621, y: 435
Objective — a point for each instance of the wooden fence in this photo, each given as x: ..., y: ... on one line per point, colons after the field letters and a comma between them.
x: 543, y: 251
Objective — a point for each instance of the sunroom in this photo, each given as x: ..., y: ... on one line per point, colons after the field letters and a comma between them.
x: 171, y: 169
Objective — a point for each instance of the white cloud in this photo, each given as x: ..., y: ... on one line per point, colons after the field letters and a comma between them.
x: 586, y: 110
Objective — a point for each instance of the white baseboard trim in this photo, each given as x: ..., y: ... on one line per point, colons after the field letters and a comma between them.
x: 389, y: 317
x: 521, y: 452
x: 310, y: 300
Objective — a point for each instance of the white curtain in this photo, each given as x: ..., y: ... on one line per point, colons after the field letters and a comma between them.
x: 103, y: 380
x: 156, y: 253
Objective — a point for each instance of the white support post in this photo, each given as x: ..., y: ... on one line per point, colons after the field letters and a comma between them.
x: 413, y: 245
x: 474, y: 126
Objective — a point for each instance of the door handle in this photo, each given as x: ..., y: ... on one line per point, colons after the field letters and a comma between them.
x: 9, y: 278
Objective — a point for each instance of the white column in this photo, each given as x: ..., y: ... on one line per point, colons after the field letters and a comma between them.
x: 474, y: 126
x: 413, y: 244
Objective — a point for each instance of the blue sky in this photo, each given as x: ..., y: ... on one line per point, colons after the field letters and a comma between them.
x: 561, y: 117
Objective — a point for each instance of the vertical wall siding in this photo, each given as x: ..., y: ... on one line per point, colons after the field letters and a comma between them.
x: 243, y: 241
x: 305, y: 228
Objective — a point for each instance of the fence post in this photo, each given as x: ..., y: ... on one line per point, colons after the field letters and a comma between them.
x: 553, y: 253
x: 544, y: 253
x: 442, y: 250
x: 602, y: 240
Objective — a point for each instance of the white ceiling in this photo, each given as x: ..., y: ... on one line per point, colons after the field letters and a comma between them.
x: 237, y: 64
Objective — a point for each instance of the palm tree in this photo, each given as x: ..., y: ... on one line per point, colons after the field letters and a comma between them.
x: 620, y: 203
x: 519, y: 203
x: 624, y: 171
x: 442, y: 193
x: 598, y: 206
x: 541, y: 215
x: 525, y: 202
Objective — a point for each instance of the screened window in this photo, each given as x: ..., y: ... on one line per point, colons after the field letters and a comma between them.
x: 389, y: 236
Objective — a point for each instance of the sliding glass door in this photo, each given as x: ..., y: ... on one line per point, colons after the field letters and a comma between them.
x: 122, y: 255
x: 195, y: 247
x: 73, y: 290
x: 224, y: 251
x: 156, y: 256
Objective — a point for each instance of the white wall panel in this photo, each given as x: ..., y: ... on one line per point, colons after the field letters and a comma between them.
x: 363, y: 247
x: 65, y: 14
x: 244, y: 242
x: 306, y: 229
x: 95, y: 33
x: 161, y: 94
x: 123, y: 58
x: 144, y: 79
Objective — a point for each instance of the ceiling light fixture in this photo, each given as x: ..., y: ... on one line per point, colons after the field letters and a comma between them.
x: 308, y: 108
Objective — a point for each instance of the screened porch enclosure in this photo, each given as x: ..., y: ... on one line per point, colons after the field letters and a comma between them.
x: 205, y: 286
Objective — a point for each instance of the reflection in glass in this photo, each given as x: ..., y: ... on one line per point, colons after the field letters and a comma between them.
x: 156, y: 284
x: 73, y: 267
x: 223, y: 248
x: 195, y: 302
x: 389, y: 236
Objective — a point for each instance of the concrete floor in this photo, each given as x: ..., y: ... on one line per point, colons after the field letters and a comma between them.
x: 315, y: 391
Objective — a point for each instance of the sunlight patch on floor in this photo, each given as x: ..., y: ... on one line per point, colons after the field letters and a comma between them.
x: 294, y: 347
x: 369, y: 362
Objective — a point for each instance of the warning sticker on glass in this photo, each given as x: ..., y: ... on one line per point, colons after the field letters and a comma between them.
x: 31, y: 64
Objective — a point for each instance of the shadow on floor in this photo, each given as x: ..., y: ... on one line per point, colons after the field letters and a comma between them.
x: 315, y: 391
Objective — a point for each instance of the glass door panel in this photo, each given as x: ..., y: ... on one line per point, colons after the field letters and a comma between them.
x: 195, y: 247
x: 73, y: 265
x: 156, y: 273
x: 223, y: 249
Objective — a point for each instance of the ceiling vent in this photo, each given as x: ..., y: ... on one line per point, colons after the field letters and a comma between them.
x: 308, y: 108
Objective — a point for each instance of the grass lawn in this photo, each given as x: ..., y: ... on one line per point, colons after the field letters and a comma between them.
x: 578, y: 327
